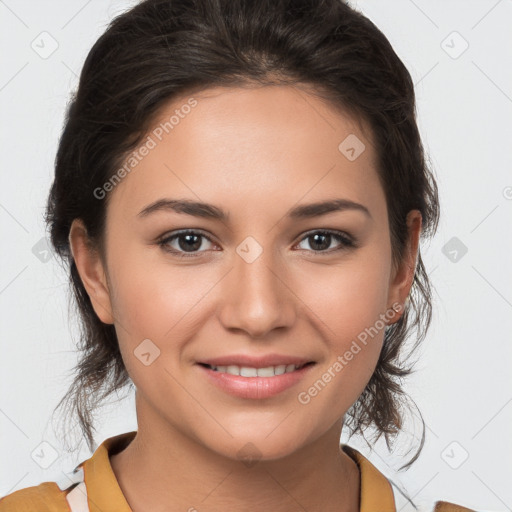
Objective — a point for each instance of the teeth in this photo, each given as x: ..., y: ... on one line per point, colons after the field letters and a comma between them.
x: 279, y: 370
x: 246, y: 371
x: 264, y: 372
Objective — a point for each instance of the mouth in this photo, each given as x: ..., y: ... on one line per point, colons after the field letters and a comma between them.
x: 255, y: 378
x: 251, y: 371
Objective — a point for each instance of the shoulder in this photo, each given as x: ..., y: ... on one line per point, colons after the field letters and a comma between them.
x: 45, y: 497
x: 444, y: 506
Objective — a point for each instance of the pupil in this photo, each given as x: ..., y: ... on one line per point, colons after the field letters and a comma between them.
x: 326, y: 237
x: 190, y: 244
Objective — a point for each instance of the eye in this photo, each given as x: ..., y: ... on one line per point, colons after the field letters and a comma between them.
x: 187, y: 244
x: 321, y: 240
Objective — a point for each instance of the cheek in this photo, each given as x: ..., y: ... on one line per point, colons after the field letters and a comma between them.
x: 348, y: 298
x: 348, y: 303
x: 150, y: 298
x: 157, y: 306
x: 159, y: 303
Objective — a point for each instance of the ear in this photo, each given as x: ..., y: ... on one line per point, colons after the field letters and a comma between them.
x: 403, y: 276
x: 91, y: 269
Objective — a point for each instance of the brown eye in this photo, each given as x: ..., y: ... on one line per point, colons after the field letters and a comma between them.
x: 184, y: 243
x: 320, y: 241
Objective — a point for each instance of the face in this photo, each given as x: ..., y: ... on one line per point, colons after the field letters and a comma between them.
x: 259, y: 280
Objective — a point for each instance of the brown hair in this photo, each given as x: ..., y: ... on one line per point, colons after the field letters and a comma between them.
x: 164, y: 48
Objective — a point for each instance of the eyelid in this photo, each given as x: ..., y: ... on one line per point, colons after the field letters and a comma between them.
x: 347, y: 240
x: 165, y: 239
x: 327, y: 231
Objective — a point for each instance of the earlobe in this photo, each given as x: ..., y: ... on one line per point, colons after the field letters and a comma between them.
x: 91, y: 269
x: 401, y: 284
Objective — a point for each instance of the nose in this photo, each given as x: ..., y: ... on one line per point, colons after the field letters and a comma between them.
x: 256, y: 298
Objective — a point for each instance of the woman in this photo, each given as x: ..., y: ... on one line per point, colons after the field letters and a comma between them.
x: 240, y: 193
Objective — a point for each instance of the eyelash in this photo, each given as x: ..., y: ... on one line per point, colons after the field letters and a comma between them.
x: 348, y: 242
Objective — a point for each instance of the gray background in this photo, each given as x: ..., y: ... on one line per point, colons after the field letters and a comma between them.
x: 463, y: 380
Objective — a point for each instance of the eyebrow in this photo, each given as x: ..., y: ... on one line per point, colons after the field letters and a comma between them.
x: 210, y: 211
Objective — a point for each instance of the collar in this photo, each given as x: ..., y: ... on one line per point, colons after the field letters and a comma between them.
x: 375, y: 492
x: 104, y: 493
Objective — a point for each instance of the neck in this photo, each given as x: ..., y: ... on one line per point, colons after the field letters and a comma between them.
x: 163, y: 466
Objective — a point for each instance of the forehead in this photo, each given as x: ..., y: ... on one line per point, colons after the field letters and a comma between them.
x: 251, y: 147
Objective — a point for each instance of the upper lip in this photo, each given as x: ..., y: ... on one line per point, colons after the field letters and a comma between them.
x: 255, y: 361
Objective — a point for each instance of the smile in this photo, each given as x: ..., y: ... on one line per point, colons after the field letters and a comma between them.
x: 255, y: 383
x: 247, y: 371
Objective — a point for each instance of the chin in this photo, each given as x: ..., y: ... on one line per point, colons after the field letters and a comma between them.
x: 250, y: 449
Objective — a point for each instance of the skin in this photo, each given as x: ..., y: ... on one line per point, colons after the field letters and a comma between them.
x: 256, y: 153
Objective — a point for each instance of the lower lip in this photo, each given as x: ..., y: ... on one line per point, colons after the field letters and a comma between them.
x: 255, y: 387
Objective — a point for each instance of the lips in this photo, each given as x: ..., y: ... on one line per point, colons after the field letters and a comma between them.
x: 252, y: 377
x: 250, y: 386
x: 243, y: 360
